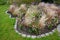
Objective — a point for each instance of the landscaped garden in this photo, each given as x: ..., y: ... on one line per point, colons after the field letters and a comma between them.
x: 7, y: 31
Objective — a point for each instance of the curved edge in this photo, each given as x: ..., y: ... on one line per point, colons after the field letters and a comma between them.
x: 32, y: 36
x: 9, y: 15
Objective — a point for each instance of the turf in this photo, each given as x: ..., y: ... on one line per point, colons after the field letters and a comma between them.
x: 7, y: 31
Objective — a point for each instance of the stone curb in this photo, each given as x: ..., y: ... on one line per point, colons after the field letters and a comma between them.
x: 32, y: 36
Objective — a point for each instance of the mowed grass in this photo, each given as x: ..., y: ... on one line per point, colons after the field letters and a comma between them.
x: 7, y: 31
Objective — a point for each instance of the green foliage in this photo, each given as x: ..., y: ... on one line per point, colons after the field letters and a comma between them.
x: 32, y: 30
x: 53, y: 23
x: 21, y: 27
x: 50, y: 26
x: 57, y: 1
x: 2, y: 2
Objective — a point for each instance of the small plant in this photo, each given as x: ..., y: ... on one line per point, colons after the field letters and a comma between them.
x: 50, y: 26
x: 33, y: 31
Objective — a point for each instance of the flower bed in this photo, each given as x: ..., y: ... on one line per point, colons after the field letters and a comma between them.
x: 35, y: 19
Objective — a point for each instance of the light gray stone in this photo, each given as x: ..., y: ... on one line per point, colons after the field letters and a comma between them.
x: 33, y: 36
x: 39, y: 36
x: 47, y: 34
x: 50, y: 32
x: 58, y: 28
x: 24, y: 35
x: 53, y: 30
x: 42, y: 35
x: 28, y: 36
x: 6, y: 12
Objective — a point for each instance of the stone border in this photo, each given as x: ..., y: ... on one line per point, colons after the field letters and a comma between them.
x: 32, y: 36
x: 9, y: 15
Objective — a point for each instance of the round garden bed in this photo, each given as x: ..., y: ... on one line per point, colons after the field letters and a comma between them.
x: 42, y: 33
x: 35, y: 20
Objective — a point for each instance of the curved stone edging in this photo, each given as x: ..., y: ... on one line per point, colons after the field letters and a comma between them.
x: 9, y: 15
x: 32, y: 36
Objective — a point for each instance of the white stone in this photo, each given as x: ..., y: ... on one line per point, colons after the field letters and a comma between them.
x: 53, y: 30
x: 9, y: 16
x: 39, y: 36
x: 6, y: 12
x: 28, y: 36
x: 15, y: 27
x: 46, y: 34
x: 33, y: 36
x: 58, y: 28
x: 24, y: 35
x: 42, y: 35
x: 50, y: 32
x: 16, y: 31
x: 19, y: 33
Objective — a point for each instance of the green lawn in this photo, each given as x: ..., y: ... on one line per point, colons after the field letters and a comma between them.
x: 7, y: 31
